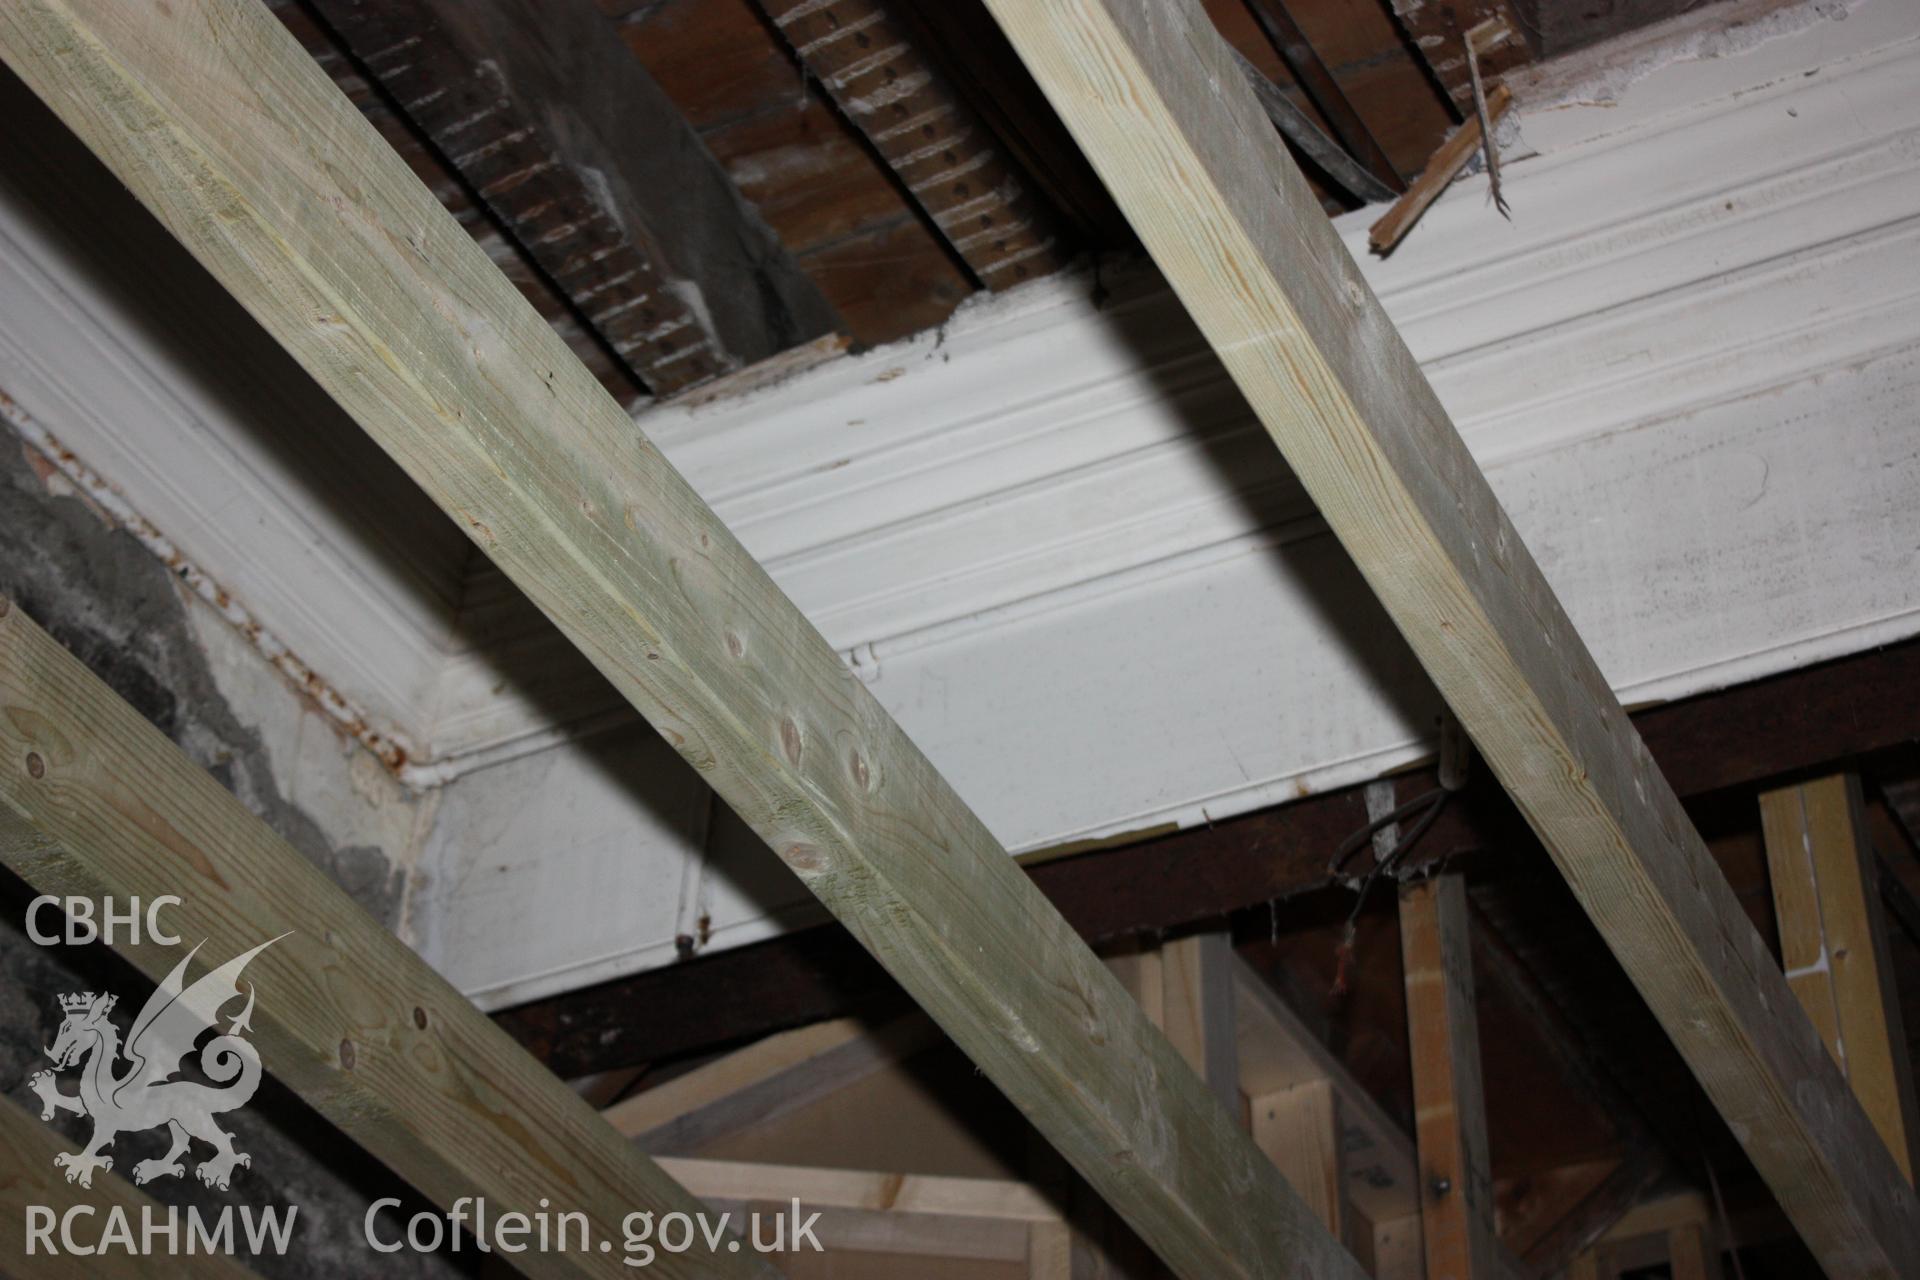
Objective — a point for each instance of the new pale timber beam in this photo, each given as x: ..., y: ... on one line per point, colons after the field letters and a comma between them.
x: 1833, y: 943
x: 763, y: 1081
x: 95, y: 802
x: 1196, y: 1010
x: 32, y: 1184
x: 1149, y: 90
x: 1449, y: 1101
x: 220, y: 123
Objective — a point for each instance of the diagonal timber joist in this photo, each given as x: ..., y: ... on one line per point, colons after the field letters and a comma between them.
x: 220, y: 123
x: 95, y: 802
x: 33, y: 1188
x: 1148, y: 89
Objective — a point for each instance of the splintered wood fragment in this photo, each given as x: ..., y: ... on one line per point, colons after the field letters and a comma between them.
x: 1439, y: 173
x: 246, y: 151
x: 1485, y: 36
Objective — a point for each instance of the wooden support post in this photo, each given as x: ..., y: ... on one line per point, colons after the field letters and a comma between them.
x: 1299, y: 1129
x: 1450, y: 1120
x: 1196, y: 1010
x: 1380, y: 1198
x: 1585, y: 1266
x: 1687, y: 1253
x: 1833, y: 944
x: 30, y: 1184
x: 95, y: 802
x: 1148, y: 89
x: 217, y: 119
x: 1049, y: 1251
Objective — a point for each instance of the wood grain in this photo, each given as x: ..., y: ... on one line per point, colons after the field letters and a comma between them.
x: 94, y: 801
x: 1687, y: 1253
x: 1299, y: 1129
x: 1148, y: 90
x: 1442, y: 167
x: 223, y: 127
x: 27, y: 1149
x: 761, y: 1082
x: 1833, y: 944
x: 1449, y: 1102
x: 1196, y: 1010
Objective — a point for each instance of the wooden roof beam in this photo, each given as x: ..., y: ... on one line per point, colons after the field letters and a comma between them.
x: 1730, y: 738
x: 33, y: 1185
x: 94, y: 801
x: 541, y: 109
x: 220, y: 123
x: 1449, y: 1100
x: 1149, y: 90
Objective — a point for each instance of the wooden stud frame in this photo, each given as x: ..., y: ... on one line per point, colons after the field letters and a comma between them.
x: 1833, y: 944
x: 224, y: 127
x: 1147, y: 89
x: 218, y: 121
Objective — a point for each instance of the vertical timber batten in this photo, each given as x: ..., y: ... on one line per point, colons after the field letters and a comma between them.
x: 227, y: 131
x: 1148, y: 89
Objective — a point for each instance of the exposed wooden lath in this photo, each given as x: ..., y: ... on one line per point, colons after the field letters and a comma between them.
x: 942, y: 151
x: 536, y: 107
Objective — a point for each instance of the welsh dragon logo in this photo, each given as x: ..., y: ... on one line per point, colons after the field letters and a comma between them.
x: 145, y: 1095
